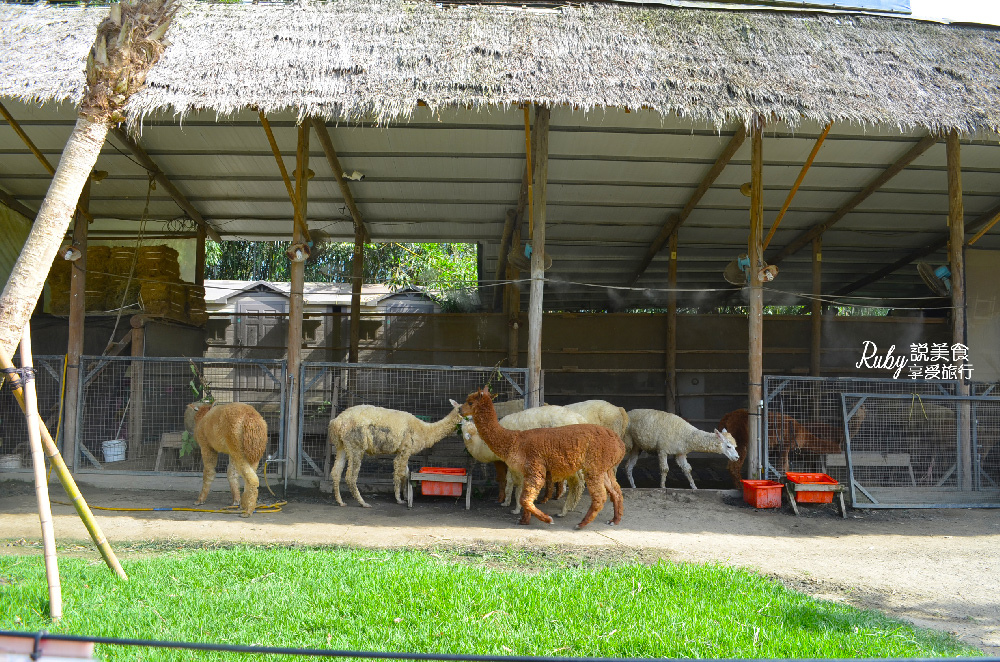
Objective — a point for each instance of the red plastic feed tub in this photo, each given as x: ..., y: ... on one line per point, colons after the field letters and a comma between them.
x: 762, y: 493
x: 825, y: 496
x: 439, y: 488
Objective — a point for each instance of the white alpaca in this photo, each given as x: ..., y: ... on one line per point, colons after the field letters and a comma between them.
x: 366, y: 429
x: 667, y: 434
x: 508, y: 407
x: 546, y: 416
x: 602, y: 412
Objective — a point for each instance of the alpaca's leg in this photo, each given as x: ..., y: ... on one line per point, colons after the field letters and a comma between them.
x: 574, y: 492
x: 509, y: 488
x: 209, y: 458
x: 250, y: 485
x: 233, y: 476
x: 515, y: 488
x: 534, y: 482
x: 617, y: 499
x: 633, y: 457
x: 501, y: 468
x: 664, y: 469
x: 682, y: 462
x: 736, y: 472
x: 598, y: 497
x: 547, y: 490
x: 353, y: 469
x: 337, y: 472
x: 399, y: 475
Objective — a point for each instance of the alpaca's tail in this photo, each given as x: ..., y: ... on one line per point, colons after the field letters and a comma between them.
x: 254, y: 437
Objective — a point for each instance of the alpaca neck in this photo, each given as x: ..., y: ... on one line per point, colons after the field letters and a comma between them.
x: 438, y: 430
x: 499, y: 439
x: 703, y: 441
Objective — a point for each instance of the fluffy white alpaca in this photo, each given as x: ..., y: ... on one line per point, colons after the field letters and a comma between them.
x: 546, y: 416
x: 667, y: 434
x: 366, y: 429
x: 602, y: 412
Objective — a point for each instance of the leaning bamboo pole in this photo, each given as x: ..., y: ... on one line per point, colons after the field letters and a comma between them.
x: 82, y: 509
x: 41, y: 485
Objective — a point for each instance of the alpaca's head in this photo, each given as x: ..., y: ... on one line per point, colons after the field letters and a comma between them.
x: 727, y: 445
x: 195, y: 411
x: 477, y: 400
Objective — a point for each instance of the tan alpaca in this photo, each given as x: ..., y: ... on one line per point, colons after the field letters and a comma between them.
x: 554, y: 452
x: 366, y: 429
x: 237, y: 430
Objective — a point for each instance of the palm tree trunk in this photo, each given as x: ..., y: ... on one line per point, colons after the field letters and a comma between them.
x: 24, y: 287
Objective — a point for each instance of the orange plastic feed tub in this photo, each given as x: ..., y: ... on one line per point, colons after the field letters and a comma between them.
x: 762, y: 493
x: 438, y: 488
x: 825, y: 496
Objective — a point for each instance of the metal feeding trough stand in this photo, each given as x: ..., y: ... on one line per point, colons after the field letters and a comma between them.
x: 813, y: 488
x: 441, y: 482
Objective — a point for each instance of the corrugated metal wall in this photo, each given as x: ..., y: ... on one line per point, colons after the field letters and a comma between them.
x: 15, y: 231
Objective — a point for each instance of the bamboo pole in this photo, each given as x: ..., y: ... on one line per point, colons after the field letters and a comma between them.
x: 956, y: 255
x: 671, y: 362
x: 338, y: 173
x: 357, y: 277
x: 295, y: 299
x: 798, y: 182
x: 41, y: 485
x: 66, y: 478
x: 756, y: 307
x: 77, y: 322
x: 199, y: 258
x: 512, y: 295
x: 816, y: 320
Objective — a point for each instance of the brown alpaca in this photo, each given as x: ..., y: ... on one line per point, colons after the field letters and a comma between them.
x: 781, y: 430
x: 237, y: 430
x: 556, y: 453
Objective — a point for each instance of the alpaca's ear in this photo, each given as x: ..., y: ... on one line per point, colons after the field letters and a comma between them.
x: 454, y: 404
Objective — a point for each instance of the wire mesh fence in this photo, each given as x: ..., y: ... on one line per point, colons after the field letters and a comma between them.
x: 804, y: 423
x: 913, y: 450
x: 131, y: 410
x: 327, y: 389
x: 15, y: 453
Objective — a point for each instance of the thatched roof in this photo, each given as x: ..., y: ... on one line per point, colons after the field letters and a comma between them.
x: 374, y: 59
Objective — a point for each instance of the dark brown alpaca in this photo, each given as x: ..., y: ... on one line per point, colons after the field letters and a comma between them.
x: 557, y: 453
x: 782, y: 431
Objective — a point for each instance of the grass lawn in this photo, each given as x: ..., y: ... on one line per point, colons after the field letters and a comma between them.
x: 504, y: 603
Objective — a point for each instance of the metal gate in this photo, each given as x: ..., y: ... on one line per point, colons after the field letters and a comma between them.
x: 422, y: 390
x: 131, y: 409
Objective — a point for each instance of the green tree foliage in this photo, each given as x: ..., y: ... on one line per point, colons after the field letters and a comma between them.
x: 447, y: 270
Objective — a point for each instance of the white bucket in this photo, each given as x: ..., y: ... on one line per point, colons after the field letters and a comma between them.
x: 114, y: 450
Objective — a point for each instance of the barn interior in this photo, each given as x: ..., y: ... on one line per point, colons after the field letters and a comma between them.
x: 843, y: 149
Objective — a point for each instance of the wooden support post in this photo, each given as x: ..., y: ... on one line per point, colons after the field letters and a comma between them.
x: 357, y: 277
x: 77, y: 319
x: 956, y: 257
x: 199, y: 258
x: 300, y: 235
x: 671, y: 367
x: 816, y: 346
x: 512, y: 306
x: 755, y: 251
x: 136, y: 379
x: 41, y: 482
x: 533, y: 392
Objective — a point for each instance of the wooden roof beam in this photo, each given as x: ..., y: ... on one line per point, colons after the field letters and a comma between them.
x: 936, y: 245
x: 806, y: 237
x: 338, y: 172
x: 674, y: 221
x: 161, y: 178
x: 13, y: 203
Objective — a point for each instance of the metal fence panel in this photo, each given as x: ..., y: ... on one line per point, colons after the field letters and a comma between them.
x: 422, y: 390
x: 139, y: 403
x: 14, y: 450
x: 909, y: 451
x: 803, y: 417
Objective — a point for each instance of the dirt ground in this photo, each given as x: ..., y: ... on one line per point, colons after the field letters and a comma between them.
x: 935, y: 568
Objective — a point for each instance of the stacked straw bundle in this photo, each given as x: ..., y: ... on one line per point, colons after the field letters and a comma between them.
x: 122, y: 277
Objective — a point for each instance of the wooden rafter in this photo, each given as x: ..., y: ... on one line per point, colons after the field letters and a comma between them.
x: 161, y: 178
x: 299, y: 218
x: 513, y: 220
x: 338, y: 172
x: 912, y: 256
x: 806, y: 237
x: 10, y: 201
x: 674, y: 221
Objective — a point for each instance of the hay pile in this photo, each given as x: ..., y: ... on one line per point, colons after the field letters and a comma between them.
x: 119, y: 277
